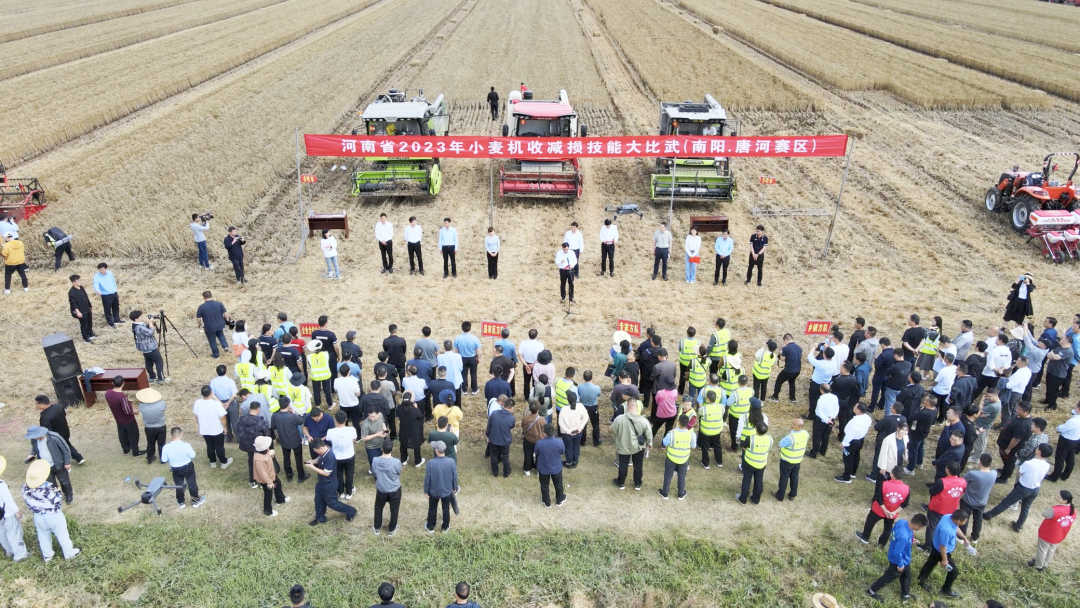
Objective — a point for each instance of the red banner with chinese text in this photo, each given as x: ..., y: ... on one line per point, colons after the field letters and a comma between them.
x: 818, y: 328
x: 491, y: 329
x: 631, y: 327
x: 681, y: 146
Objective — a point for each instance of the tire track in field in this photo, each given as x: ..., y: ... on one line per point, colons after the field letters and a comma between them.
x: 45, y: 29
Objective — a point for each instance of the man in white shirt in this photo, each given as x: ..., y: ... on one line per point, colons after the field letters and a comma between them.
x: 448, y: 244
x: 998, y: 360
x: 609, y: 235
x: 342, y: 440
x: 1026, y: 488
x: 945, y: 377
x: 566, y: 262
x: 577, y: 242
x: 964, y: 340
x: 528, y: 350
x: 418, y: 386
x: 1068, y: 441
x: 11, y: 532
x: 828, y: 408
x: 347, y: 388
x: 1017, y: 385
x: 854, y: 436
x: 212, y: 419
x: 413, y: 233
x: 384, y: 232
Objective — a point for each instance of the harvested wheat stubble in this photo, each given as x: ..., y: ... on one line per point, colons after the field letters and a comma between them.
x: 854, y: 62
x: 132, y: 190
x: 25, y: 19
x: 52, y: 106
x: 39, y: 52
x: 505, y: 42
x: 671, y: 56
x: 1020, y: 20
x: 1028, y: 64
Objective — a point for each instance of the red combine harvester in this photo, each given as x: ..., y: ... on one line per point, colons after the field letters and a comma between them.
x: 20, y: 197
x: 1020, y: 193
x: 554, y: 176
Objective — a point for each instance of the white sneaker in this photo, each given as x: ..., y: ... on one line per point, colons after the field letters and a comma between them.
x: 213, y: 465
x: 421, y: 463
x: 286, y: 499
x: 25, y: 289
x: 273, y: 514
x: 528, y: 473
x: 350, y: 495
x: 226, y: 464
x: 254, y: 486
x: 181, y: 505
x: 7, y: 292
x: 199, y: 502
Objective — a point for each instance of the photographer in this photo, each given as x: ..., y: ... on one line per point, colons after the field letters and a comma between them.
x: 200, y: 225
x: 234, y: 243
x: 144, y: 328
x: 1019, y: 307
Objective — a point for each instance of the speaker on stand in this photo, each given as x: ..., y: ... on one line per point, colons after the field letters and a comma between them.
x: 65, y: 367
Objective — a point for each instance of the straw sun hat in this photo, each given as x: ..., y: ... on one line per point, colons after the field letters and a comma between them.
x: 824, y: 600
x: 37, y: 473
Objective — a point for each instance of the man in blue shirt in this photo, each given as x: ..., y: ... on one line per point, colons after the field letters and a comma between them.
x: 179, y: 456
x: 945, y: 535
x: 588, y: 393
x: 468, y: 346
x: 440, y: 485
x: 422, y: 365
x: 792, y: 355
x: 496, y: 386
x: 105, y: 286
x: 324, y: 464
x: 448, y: 243
x: 862, y: 373
x: 461, y: 595
x: 900, y: 541
x: 500, y: 429
x: 212, y: 318
x: 549, y: 463
x: 723, y: 247
x: 510, y: 352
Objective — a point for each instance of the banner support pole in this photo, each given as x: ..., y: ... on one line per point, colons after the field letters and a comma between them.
x: 839, y: 196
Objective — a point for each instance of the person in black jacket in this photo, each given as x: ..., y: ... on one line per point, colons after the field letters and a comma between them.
x: 846, y: 389
x: 247, y: 429
x: 234, y: 244
x: 396, y: 351
x: 954, y: 453
x: 79, y: 305
x: 920, y: 423
x: 493, y: 101
x: 896, y: 378
x: 410, y: 429
x: 970, y: 432
x: 54, y: 418
x: 881, y: 365
x: 911, y: 395
x: 963, y: 389
x: 285, y: 422
x: 885, y: 427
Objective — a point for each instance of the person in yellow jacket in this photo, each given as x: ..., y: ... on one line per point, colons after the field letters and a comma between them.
x: 677, y: 445
x: 710, y: 427
x: 280, y: 374
x: 688, y: 351
x: 298, y: 394
x: 755, y: 459
x: 14, y: 261
x: 718, y: 342
x: 737, y: 402
x: 246, y: 372
x: 764, y: 360
x: 699, y: 372
x: 792, y: 449
x: 318, y: 362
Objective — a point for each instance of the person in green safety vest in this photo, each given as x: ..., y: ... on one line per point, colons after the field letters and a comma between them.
x: 698, y: 372
x: 688, y: 350
x: 321, y: 376
x: 928, y: 348
x: 755, y: 458
x: 792, y: 449
x: 764, y: 360
x: 677, y: 445
x: 718, y: 345
x: 737, y: 403
x: 710, y: 426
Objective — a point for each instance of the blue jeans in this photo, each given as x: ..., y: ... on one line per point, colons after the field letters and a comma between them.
x: 694, y: 393
x: 1018, y: 494
x: 691, y: 270
x: 326, y: 497
x: 573, y: 447
x: 915, y: 453
x: 890, y: 398
x: 334, y: 270
x: 220, y: 335
x: 372, y: 454
x: 204, y: 255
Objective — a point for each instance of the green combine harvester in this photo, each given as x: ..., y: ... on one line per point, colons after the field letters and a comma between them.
x: 695, y: 178
x: 395, y: 114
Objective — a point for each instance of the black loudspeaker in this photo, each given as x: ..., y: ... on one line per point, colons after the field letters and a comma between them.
x: 63, y: 359
x: 68, y: 392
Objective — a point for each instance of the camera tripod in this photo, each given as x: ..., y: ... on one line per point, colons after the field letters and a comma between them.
x: 163, y: 329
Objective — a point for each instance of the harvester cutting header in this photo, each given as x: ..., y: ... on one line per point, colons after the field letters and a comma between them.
x: 555, y: 177
x: 695, y: 178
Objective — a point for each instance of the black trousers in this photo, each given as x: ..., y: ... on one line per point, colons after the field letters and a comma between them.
x: 60, y: 251
x: 594, y: 422
x: 671, y: 468
x: 494, y: 112
x: 215, y: 448
x: 272, y: 491
x: 129, y: 437
x: 433, y: 504
x: 607, y: 256
x: 733, y: 425
x: 566, y: 275
x: 667, y: 423
x: 493, y: 265
x: 851, y: 457
x: 761, y: 387
x: 155, y: 441
x: 545, y: 488
x: 1008, y: 464
x: 185, y: 476
x: 500, y: 453
x: 577, y: 265
x: 468, y: 373
x: 355, y: 416
x: 1064, y: 459
x: 711, y: 442
x: 877, y: 393
x: 935, y: 559
x: 60, y: 477
x: 871, y: 521
x: 788, y: 473
x: 529, y: 456
x: 646, y: 395
x: 1055, y: 386
x: 238, y: 268
x: 417, y: 457
x: 251, y: 467
x: 10, y: 270
x: 892, y: 573
x: 722, y: 262
x: 976, y: 519
x: 842, y: 418
x: 345, y: 469
x: 155, y: 367
x: 297, y: 455
x: 660, y: 256
x: 449, y: 260
x: 638, y: 458
x: 781, y: 378
x: 414, y: 252
x: 381, y: 499
x: 759, y: 262
x: 758, y: 476
x: 75, y: 455
x: 321, y: 388
x: 387, y: 253
x: 820, y: 442
x: 815, y: 394
x: 326, y: 497
x: 86, y: 324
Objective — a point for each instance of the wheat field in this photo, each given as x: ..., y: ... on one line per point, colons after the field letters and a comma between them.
x: 23, y: 19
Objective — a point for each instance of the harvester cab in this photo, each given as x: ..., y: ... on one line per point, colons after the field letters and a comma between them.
x: 1019, y: 193
x: 20, y: 197
x: 554, y: 176
x: 396, y: 115
x: 695, y: 178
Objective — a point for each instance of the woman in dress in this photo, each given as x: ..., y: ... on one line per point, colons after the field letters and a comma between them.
x: 1019, y: 306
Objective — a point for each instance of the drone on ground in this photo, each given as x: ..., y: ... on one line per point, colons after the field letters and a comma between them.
x: 149, y: 497
x: 625, y: 209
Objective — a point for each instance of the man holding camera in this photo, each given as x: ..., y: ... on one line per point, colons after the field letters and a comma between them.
x: 200, y: 225
x: 144, y: 328
x: 234, y: 244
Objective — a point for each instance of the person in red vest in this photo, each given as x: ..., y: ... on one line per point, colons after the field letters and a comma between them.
x: 945, y: 496
x: 890, y: 498
x: 1055, y: 527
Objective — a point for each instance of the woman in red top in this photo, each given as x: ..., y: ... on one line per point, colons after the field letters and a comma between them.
x: 1054, y: 529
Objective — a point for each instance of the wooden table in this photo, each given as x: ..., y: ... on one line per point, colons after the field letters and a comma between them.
x: 328, y: 221
x: 709, y: 223
x: 134, y: 379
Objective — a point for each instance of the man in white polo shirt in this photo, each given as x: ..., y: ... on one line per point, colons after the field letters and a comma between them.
x: 212, y: 419
x: 384, y: 233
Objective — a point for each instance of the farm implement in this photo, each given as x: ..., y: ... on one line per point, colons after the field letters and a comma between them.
x: 20, y: 197
x: 554, y: 177
x: 695, y: 178
x: 1057, y: 232
x: 1021, y: 193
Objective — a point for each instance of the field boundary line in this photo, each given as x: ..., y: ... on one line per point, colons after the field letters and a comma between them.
x: 46, y: 29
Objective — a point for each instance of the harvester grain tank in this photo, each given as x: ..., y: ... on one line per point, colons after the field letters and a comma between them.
x: 695, y: 178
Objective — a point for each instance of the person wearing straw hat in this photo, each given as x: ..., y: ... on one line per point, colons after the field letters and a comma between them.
x: 152, y: 410
x: 51, y: 448
x: 43, y: 500
x: 11, y: 532
x: 265, y: 470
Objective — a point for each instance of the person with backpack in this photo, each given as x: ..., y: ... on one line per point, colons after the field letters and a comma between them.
x: 61, y: 244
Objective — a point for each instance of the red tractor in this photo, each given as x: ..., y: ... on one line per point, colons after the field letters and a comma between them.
x: 1021, y: 192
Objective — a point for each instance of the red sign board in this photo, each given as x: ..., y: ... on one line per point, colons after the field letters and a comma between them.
x: 307, y: 328
x: 766, y: 181
x: 491, y: 329
x: 308, y: 179
x: 818, y: 328
x: 631, y: 327
x: 649, y: 146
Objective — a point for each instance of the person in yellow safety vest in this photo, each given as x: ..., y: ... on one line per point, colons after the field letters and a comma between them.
x: 280, y: 374
x: 749, y: 421
x: 737, y: 403
x: 245, y: 371
x: 562, y: 386
x: 698, y: 373
x: 764, y: 360
x: 687, y: 409
x: 298, y: 394
x: 928, y: 348
x: 688, y: 350
x: 731, y: 367
x: 792, y: 448
x: 319, y: 366
x: 267, y: 390
x: 755, y: 458
x: 718, y: 345
x: 677, y: 444
x: 713, y: 385
x: 710, y: 425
